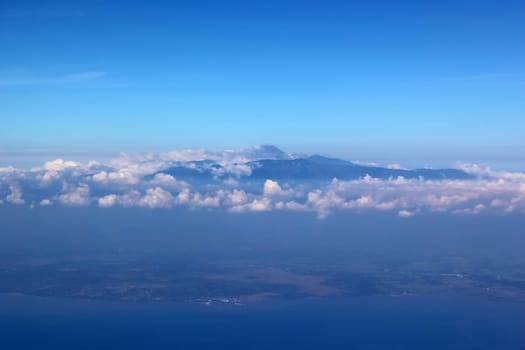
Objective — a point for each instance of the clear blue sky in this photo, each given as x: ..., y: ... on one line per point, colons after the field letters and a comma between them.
x: 359, y: 79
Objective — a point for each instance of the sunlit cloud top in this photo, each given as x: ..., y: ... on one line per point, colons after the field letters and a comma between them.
x: 262, y: 178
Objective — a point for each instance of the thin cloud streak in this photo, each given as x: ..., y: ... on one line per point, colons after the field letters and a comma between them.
x: 486, y: 76
x: 40, y: 14
x: 55, y: 80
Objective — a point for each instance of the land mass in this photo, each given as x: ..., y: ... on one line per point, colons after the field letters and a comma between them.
x: 112, y: 278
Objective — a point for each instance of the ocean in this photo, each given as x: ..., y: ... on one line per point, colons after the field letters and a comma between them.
x: 28, y: 322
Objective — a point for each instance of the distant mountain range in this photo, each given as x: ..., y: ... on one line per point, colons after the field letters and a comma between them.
x: 277, y: 165
x: 320, y: 168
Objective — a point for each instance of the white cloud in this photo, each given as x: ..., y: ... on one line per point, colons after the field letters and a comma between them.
x: 324, y: 202
x: 405, y: 213
x: 485, y: 171
x: 46, y: 202
x: 291, y: 205
x: 237, y: 170
x: 100, y: 177
x: 200, y: 200
x: 60, y: 165
x: 129, y: 199
x: 394, y: 166
x: 49, y: 176
x: 122, y: 176
x: 228, y: 157
x: 262, y: 204
x: 237, y: 197
x: 15, y: 197
x: 271, y: 188
x: 108, y: 200
x: 231, y: 182
x: 168, y: 181
x: 258, y: 204
x: 75, y: 195
x: 191, y: 155
x: 183, y: 196
x: 7, y: 170
x: 53, y: 170
x: 157, y: 198
x: 135, y: 180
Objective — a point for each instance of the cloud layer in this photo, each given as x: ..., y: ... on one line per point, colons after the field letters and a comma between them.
x: 138, y: 181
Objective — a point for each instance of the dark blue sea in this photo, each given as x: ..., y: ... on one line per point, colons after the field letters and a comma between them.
x: 353, y: 323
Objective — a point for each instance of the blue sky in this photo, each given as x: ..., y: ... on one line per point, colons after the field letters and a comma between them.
x: 360, y: 80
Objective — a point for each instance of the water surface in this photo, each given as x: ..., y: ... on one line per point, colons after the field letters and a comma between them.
x: 351, y: 323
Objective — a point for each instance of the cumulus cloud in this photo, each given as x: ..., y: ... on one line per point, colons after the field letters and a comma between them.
x: 46, y: 202
x: 152, y: 198
x: 53, y: 170
x: 203, y: 200
x: 157, y: 198
x: 168, y: 181
x: 122, y: 176
x: 183, y: 197
x: 15, y: 195
x: 147, y: 181
x: 7, y: 170
x: 237, y: 197
x: 406, y: 197
x: 75, y: 195
x: 405, y: 213
x: 271, y: 188
x: 257, y: 204
x: 108, y: 200
x: 60, y: 164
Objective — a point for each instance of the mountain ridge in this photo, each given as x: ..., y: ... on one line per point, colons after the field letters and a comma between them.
x: 314, y: 167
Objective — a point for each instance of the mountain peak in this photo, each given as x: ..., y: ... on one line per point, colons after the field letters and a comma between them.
x: 266, y: 152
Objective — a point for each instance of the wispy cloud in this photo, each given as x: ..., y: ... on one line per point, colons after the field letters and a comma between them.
x: 486, y: 76
x: 51, y: 80
x: 39, y: 14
